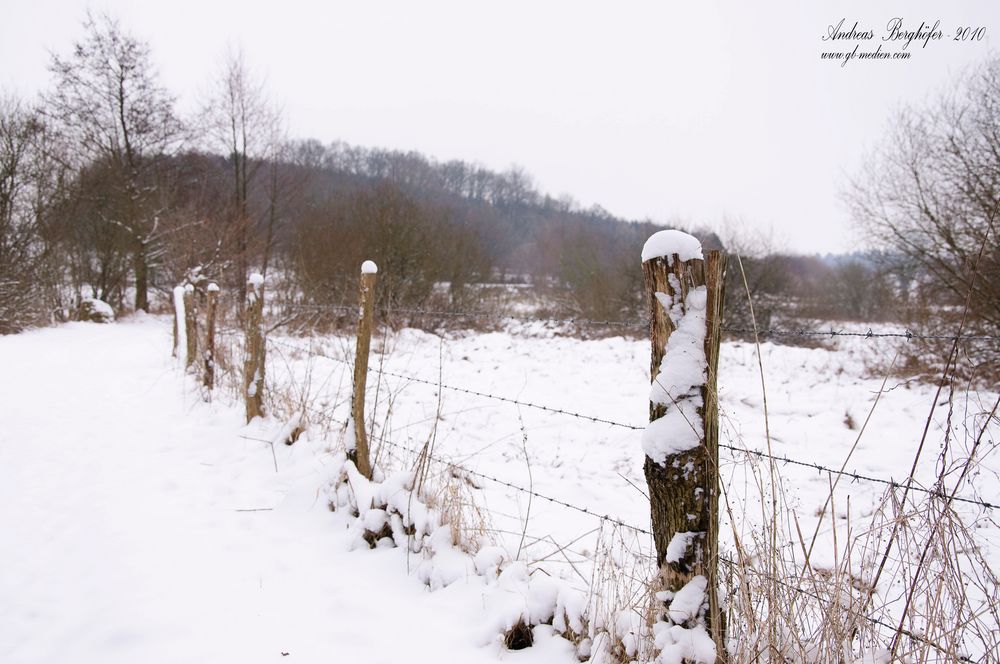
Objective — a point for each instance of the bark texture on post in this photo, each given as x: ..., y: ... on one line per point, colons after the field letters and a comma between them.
x: 253, y: 365
x: 684, y: 489
x: 190, y: 325
x: 208, y: 380
x: 366, y: 296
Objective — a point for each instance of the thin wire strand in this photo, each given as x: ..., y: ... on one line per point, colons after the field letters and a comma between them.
x: 770, y: 332
x: 496, y: 480
x: 606, y: 518
x: 854, y: 476
x: 609, y: 519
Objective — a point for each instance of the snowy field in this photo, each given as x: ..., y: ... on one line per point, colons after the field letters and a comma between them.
x: 142, y: 524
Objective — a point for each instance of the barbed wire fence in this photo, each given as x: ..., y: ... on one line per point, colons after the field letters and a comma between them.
x: 800, y: 333
x: 605, y: 518
x: 760, y: 454
x: 316, y: 311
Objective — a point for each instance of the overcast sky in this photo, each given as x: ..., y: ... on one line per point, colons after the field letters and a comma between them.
x: 696, y: 112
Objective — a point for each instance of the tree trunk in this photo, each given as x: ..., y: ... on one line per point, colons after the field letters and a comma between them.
x: 141, y: 267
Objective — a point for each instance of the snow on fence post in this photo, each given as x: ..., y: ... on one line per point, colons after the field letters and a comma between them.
x: 179, y: 340
x: 684, y: 292
x: 358, y: 448
x: 208, y: 380
x: 253, y: 365
x: 190, y: 325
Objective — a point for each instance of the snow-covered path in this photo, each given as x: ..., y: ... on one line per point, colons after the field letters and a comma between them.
x: 122, y: 537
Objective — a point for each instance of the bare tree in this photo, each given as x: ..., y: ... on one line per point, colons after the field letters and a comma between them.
x: 21, y: 247
x: 929, y: 194
x: 108, y: 103
x: 245, y: 125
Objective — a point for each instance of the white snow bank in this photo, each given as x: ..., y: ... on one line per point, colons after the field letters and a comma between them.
x: 188, y: 547
x: 678, y: 645
x: 670, y: 242
x: 287, y: 433
x: 533, y: 599
x: 369, y: 267
x: 390, y: 514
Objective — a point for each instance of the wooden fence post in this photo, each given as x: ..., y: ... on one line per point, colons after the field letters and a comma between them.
x: 190, y: 325
x: 684, y: 292
x: 208, y: 380
x: 253, y: 365
x: 366, y: 297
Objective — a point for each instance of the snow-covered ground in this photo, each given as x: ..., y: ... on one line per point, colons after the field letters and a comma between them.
x: 142, y: 524
x: 123, y: 538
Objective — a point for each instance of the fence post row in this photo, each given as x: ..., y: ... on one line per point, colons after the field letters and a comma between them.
x: 366, y: 296
x: 208, y: 380
x: 683, y: 486
x: 253, y: 365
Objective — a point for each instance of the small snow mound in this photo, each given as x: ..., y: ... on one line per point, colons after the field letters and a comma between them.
x: 188, y: 288
x: 670, y: 242
x: 96, y: 311
x: 369, y: 267
x: 687, y: 602
x: 212, y: 287
x: 256, y: 280
x: 679, y: 545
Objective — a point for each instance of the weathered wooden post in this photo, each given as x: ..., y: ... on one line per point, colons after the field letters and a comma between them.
x: 684, y: 292
x: 208, y: 380
x: 190, y: 325
x: 366, y: 297
x: 253, y: 365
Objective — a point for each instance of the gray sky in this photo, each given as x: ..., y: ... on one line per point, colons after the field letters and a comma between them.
x: 694, y: 111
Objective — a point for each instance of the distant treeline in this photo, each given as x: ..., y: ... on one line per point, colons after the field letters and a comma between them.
x: 106, y: 192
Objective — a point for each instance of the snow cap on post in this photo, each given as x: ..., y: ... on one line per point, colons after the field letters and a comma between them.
x: 212, y: 287
x: 256, y: 280
x: 670, y: 242
x: 188, y: 288
x: 369, y: 267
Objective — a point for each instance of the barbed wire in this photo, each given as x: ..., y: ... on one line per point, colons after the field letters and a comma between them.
x: 852, y: 475
x: 609, y: 519
x: 937, y: 493
x: 516, y: 487
x: 481, y: 315
x: 801, y: 333
x: 491, y: 478
x: 870, y: 334
x: 496, y: 397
